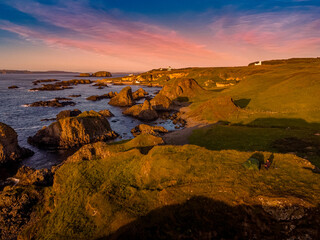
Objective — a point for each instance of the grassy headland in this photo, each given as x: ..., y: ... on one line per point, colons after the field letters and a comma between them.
x: 137, y: 189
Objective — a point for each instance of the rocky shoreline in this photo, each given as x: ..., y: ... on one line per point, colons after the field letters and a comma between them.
x: 148, y: 185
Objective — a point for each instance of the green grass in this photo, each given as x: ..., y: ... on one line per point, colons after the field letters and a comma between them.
x: 253, y: 138
x: 94, y: 197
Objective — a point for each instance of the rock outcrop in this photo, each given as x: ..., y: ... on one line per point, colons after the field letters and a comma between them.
x: 142, y: 111
x: 140, y: 93
x: 96, y: 74
x: 187, y: 88
x: 19, y: 198
x: 161, y: 103
x: 101, y: 74
x: 10, y: 150
x: 13, y: 87
x: 71, y: 132
x: 146, y: 129
x: 68, y: 113
x: 52, y: 103
x: 84, y: 75
x: 123, y: 99
x: 16, y: 207
x: 61, y: 85
x: 106, y: 113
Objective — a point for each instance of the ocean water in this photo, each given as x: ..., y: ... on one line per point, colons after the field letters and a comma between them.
x: 26, y: 121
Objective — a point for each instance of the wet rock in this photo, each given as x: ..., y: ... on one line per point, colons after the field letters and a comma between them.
x: 71, y: 132
x: 100, y: 84
x: 48, y: 119
x: 75, y: 96
x: 10, y: 151
x: 61, y: 85
x: 123, y: 99
x: 51, y: 103
x: 62, y: 99
x: 106, y: 113
x: 140, y: 93
x: 50, y: 87
x: 68, y: 113
x: 146, y: 129
x: 45, y: 80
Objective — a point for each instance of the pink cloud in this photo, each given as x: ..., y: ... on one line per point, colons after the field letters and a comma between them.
x: 94, y: 31
x: 295, y: 33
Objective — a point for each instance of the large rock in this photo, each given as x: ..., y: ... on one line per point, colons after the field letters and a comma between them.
x: 146, y: 129
x: 147, y: 112
x: 161, y: 102
x: 142, y: 111
x: 123, y: 99
x: 68, y: 113
x: 186, y: 88
x: 9, y: 148
x: 71, y: 132
x: 140, y: 93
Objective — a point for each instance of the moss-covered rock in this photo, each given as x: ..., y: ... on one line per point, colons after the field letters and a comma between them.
x: 105, y: 187
x: 70, y: 132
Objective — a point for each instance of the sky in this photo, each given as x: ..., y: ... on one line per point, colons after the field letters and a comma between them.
x: 135, y: 36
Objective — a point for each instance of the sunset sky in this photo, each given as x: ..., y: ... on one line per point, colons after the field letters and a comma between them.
x: 126, y: 35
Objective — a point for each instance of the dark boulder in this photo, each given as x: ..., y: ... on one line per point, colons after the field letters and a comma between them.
x: 88, y: 127
x: 10, y: 151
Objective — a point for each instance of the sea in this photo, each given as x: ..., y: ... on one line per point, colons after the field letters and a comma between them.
x: 26, y: 121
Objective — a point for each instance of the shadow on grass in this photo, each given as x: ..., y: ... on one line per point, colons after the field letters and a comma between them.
x: 205, y: 218
x: 284, y: 123
x: 242, y: 103
x: 265, y: 134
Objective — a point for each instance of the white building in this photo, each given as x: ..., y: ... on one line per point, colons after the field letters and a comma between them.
x: 258, y: 64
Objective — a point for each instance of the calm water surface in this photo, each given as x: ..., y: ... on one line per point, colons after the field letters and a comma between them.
x: 26, y: 121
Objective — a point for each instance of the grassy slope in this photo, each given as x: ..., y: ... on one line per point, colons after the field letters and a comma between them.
x: 94, y: 197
